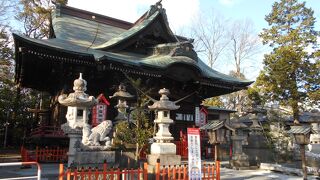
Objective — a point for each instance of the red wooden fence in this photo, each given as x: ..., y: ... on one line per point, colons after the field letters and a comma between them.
x: 103, y: 174
x: 209, y: 172
x: 54, y: 154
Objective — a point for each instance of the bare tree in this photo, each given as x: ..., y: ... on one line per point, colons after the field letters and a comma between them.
x: 209, y: 32
x: 244, y: 45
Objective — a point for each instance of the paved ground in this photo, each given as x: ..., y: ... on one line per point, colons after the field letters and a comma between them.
x: 50, y: 172
x: 230, y: 174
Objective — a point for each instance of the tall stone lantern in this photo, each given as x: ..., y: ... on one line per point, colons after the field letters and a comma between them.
x: 302, y: 137
x: 122, y: 96
x: 78, y: 104
x: 163, y: 149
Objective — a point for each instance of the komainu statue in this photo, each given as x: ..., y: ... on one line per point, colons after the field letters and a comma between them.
x: 98, y: 134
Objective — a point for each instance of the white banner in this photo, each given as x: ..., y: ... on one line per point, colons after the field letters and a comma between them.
x: 194, y: 154
x: 197, y: 116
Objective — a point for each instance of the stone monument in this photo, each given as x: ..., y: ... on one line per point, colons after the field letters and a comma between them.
x: 82, y: 137
x: 163, y: 149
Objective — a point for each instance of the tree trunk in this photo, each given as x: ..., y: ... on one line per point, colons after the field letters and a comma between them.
x: 137, y: 154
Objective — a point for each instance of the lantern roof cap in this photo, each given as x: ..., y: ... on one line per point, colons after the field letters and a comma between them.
x: 215, y: 125
x: 305, y: 129
x: 78, y: 98
x: 122, y: 93
x: 164, y: 103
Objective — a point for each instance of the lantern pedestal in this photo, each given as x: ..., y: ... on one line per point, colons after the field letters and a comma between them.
x: 75, y: 137
x: 239, y: 159
x: 165, y: 159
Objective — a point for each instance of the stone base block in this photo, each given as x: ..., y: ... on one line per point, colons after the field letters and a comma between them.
x: 165, y: 159
x: 240, y: 160
x: 163, y: 148
x: 315, y: 148
x: 94, y: 157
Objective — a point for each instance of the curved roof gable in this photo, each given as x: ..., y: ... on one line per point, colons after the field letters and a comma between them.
x: 153, y: 24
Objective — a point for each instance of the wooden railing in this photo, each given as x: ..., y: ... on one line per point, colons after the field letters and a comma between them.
x: 47, y: 131
x: 209, y: 172
x: 53, y: 154
x: 103, y: 174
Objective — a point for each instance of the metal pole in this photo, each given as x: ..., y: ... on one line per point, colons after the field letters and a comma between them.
x: 303, y: 161
x: 6, y: 131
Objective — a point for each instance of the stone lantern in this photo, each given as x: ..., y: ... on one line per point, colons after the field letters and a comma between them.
x: 78, y: 104
x: 163, y: 149
x: 302, y: 137
x: 122, y: 96
x: 239, y: 138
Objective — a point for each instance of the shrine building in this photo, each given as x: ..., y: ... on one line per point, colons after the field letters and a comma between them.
x: 109, y: 51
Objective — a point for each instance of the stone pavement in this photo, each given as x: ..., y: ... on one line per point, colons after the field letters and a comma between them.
x: 50, y: 172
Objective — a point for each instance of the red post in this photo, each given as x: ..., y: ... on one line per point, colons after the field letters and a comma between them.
x: 61, y: 171
x: 145, y: 171
x: 158, y: 171
x: 185, y: 172
x: 69, y: 173
x: 104, y: 171
x: 218, y: 170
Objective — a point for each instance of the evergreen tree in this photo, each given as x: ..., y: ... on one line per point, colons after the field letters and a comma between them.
x: 289, y: 74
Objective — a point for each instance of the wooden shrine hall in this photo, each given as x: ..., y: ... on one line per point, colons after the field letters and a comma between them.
x: 108, y: 51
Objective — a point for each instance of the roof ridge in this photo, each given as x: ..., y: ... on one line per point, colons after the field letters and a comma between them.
x: 88, y: 15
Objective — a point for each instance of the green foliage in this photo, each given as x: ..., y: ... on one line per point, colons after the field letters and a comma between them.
x: 12, y: 109
x: 139, y: 128
x: 255, y: 98
x: 289, y: 74
x: 35, y: 16
x: 213, y: 101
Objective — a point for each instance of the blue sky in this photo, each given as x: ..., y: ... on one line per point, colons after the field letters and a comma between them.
x: 252, y: 9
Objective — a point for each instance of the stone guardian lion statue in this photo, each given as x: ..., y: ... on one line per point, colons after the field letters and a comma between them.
x: 100, y: 134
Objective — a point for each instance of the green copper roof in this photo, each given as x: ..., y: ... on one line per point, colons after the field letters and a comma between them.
x: 155, y: 61
x: 82, y: 35
x: 127, y: 34
x: 80, y: 31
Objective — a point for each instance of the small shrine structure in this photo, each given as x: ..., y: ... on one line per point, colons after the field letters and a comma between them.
x: 99, y: 111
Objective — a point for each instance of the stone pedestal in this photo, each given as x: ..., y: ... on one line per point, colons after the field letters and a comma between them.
x: 165, y: 159
x: 94, y: 157
x: 75, y: 137
x: 239, y: 159
x: 165, y: 152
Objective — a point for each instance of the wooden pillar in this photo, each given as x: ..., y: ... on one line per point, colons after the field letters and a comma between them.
x: 303, y: 161
x: 216, y: 152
